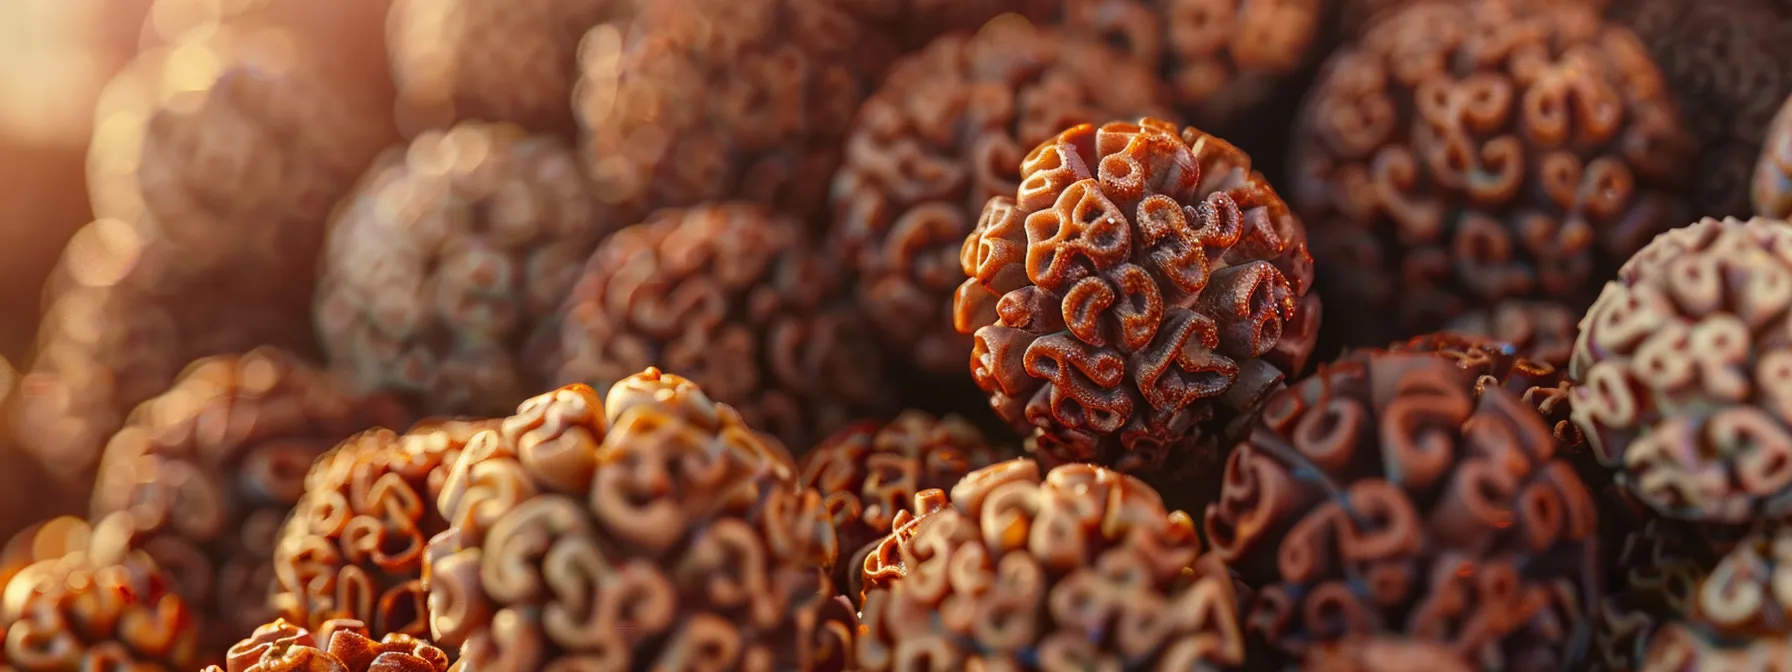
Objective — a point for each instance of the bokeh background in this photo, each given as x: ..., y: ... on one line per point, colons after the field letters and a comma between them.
x: 56, y: 58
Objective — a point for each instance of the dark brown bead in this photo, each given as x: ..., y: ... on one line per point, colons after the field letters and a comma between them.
x: 943, y: 134
x: 353, y: 546
x: 650, y: 530
x: 1221, y: 59
x: 734, y: 298
x: 1078, y: 568
x: 210, y: 468
x: 1139, y: 295
x: 1721, y: 62
x: 1459, y: 154
x: 709, y: 100
x: 446, y: 257
x: 1391, y: 495
x: 1686, y: 371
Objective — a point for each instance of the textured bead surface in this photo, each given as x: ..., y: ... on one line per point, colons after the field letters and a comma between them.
x: 1459, y: 154
x: 1078, y: 568
x: 945, y: 132
x: 649, y: 529
x: 1142, y: 291
x: 1389, y: 494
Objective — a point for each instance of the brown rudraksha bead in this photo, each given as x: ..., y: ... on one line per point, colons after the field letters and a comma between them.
x: 870, y: 472
x: 1139, y: 295
x: 710, y: 100
x: 1685, y: 370
x: 353, y: 546
x: 943, y: 134
x: 1389, y: 494
x: 1771, y: 190
x: 652, y: 529
x: 98, y: 606
x: 494, y: 60
x: 735, y: 298
x: 340, y: 645
x: 210, y: 468
x: 1220, y: 59
x: 1740, y: 615
x: 1460, y: 154
x: 1078, y: 568
x: 1719, y: 59
x: 446, y: 257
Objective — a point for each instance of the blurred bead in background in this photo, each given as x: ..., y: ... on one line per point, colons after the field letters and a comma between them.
x: 218, y: 154
x: 55, y: 57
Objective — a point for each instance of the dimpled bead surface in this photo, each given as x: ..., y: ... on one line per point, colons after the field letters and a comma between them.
x: 1686, y: 369
x: 1390, y: 495
x: 1142, y: 290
